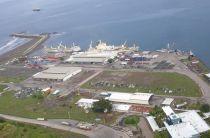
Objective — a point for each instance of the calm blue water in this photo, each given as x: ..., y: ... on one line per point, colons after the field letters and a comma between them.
x: 150, y: 23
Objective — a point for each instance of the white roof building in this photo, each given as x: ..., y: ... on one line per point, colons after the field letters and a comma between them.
x: 190, y: 126
x: 86, y: 103
x: 167, y: 101
x: 152, y: 123
x: 195, y: 120
x: 134, y: 98
x: 182, y: 130
x: 207, y: 75
x: 121, y: 107
x: 57, y: 73
x: 168, y: 111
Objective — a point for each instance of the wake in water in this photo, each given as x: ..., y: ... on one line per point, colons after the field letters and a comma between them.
x: 12, y: 44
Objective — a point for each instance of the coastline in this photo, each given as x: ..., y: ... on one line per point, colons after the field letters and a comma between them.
x: 33, y: 44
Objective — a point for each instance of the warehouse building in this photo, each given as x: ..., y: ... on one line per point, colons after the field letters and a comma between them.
x: 57, y: 74
x: 92, y: 57
x: 132, y: 98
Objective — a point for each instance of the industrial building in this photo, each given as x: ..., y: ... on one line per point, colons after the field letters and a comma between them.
x: 57, y: 73
x: 133, y: 98
x: 184, y: 125
x: 86, y: 103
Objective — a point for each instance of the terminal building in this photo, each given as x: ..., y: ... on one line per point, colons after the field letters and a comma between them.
x: 131, y: 98
x: 184, y: 125
x: 58, y: 73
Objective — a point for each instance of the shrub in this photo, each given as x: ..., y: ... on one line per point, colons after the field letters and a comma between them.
x: 102, y: 106
x: 205, y: 108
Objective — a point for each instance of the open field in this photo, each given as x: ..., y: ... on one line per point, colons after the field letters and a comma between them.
x: 10, y: 129
x: 50, y: 108
x: 2, y: 87
x: 15, y: 75
x: 160, y: 83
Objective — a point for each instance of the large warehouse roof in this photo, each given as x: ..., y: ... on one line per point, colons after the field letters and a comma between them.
x: 57, y: 73
x: 190, y: 126
x: 182, y: 130
x: 137, y: 98
x: 94, y: 56
x: 195, y: 120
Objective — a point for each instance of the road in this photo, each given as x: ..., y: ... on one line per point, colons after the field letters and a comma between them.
x: 100, y: 131
x: 205, y: 88
x: 81, y: 83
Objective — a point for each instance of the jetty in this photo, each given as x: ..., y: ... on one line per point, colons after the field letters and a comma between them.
x: 35, y: 42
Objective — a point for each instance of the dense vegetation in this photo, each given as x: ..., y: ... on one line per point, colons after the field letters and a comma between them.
x: 158, y: 113
x: 162, y: 134
x: 205, y: 135
x: 102, y: 106
x: 205, y: 108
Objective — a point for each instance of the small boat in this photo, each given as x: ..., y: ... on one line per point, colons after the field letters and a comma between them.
x: 36, y: 9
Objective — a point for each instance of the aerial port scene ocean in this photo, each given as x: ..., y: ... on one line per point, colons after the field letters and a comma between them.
x: 104, y: 69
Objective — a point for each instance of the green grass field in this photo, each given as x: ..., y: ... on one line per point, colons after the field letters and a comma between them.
x: 12, y: 79
x: 132, y: 120
x: 47, y: 108
x: 9, y: 129
x: 159, y: 83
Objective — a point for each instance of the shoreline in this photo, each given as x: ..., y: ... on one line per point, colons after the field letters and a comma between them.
x: 34, y: 43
